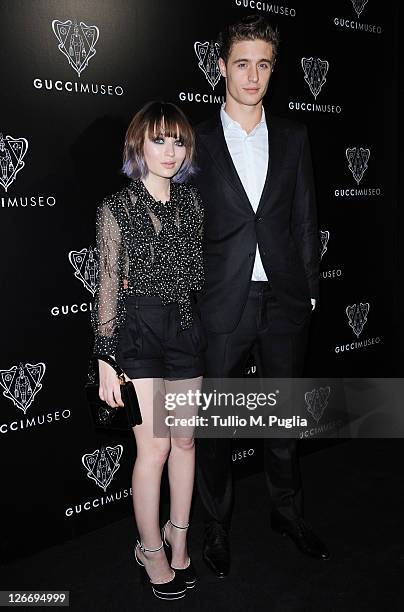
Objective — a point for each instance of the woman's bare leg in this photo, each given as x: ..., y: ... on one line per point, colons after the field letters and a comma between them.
x: 181, y: 470
x: 146, y: 479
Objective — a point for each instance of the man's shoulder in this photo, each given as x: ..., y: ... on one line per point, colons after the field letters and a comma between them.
x: 208, y: 125
x: 285, y: 124
x: 275, y: 121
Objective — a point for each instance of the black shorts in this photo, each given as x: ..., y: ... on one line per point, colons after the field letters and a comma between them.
x: 152, y: 344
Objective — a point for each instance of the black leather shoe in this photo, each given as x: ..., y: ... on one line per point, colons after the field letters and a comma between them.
x: 302, y: 535
x: 216, y: 553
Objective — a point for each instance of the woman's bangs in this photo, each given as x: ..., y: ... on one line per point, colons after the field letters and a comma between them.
x: 170, y: 127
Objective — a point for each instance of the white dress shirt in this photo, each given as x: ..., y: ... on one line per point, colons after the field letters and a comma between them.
x: 249, y: 153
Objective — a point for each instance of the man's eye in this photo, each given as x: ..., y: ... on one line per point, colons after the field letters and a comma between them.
x: 242, y: 65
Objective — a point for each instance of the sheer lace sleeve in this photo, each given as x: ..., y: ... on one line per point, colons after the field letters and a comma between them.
x: 106, y: 314
x: 196, y: 242
x: 199, y: 211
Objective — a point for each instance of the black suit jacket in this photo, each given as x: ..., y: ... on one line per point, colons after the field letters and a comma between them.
x: 284, y: 225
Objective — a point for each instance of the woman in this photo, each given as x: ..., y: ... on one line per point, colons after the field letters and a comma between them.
x: 149, y: 237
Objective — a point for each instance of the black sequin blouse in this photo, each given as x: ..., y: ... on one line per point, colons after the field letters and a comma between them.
x: 146, y: 248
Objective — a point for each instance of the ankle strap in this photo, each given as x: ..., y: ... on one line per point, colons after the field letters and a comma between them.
x: 144, y: 549
x: 177, y: 526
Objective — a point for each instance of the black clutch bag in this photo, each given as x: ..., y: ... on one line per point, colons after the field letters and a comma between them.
x: 107, y: 418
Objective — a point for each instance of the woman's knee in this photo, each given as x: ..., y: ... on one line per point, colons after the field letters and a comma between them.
x: 155, y: 453
x: 182, y: 443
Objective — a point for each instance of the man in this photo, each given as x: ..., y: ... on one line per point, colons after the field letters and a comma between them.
x: 262, y: 270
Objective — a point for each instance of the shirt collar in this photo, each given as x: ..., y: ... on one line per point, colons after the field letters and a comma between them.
x: 229, y: 123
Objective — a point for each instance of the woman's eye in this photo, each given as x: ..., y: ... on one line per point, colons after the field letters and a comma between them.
x: 158, y: 140
x: 179, y: 143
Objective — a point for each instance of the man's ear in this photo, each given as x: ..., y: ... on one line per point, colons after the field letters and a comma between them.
x: 222, y: 67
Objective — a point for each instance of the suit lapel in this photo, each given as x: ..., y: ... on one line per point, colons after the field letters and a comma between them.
x: 215, y: 143
x: 277, y: 139
x: 216, y: 146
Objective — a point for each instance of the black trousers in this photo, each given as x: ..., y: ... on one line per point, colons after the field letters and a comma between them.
x: 278, y: 346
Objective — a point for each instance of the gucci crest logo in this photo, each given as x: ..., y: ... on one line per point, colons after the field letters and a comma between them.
x: 359, y: 5
x: 12, y: 152
x: 85, y: 264
x: 76, y: 42
x: 315, y: 70
x: 21, y: 383
x: 324, y: 238
x: 358, y: 158
x: 102, y: 464
x: 316, y: 401
x: 357, y: 316
x: 208, y: 56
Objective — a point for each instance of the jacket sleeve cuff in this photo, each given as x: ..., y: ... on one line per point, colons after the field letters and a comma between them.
x: 105, y: 345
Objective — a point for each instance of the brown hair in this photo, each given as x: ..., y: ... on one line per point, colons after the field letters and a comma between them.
x: 252, y: 27
x: 153, y: 119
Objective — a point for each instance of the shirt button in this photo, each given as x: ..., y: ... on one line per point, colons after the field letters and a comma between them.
x: 258, y: 219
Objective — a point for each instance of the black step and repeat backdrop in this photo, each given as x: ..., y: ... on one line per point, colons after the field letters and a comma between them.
x: 73, y: 75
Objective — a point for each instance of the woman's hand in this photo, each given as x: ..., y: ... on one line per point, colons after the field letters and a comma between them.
x: 110, y: 390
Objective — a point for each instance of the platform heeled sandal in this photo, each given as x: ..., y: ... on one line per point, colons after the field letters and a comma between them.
x: 174, y: 589
x: 188, y: 573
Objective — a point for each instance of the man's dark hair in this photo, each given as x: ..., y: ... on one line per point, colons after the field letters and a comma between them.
x: 252, y: 27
